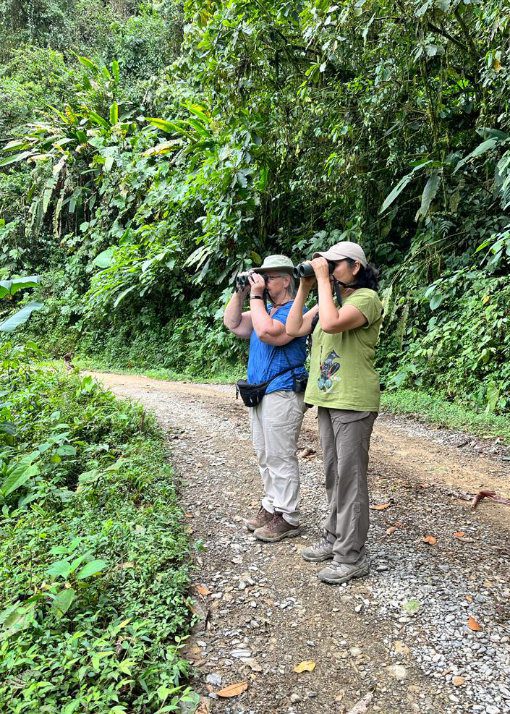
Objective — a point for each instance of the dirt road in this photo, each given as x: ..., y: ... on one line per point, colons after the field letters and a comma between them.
x: 427, y: 631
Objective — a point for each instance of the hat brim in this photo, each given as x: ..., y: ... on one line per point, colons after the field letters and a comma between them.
x: 334, y: 257
x: 329, y: 255
x: 281, y: 268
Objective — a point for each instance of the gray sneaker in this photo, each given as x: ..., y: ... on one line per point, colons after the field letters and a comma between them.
x: 338, y: 573
x: 316, y: 553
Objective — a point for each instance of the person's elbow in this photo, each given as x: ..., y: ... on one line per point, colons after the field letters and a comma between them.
x: 330, y: 327
x: 230, y: 325
x: 265, y: 336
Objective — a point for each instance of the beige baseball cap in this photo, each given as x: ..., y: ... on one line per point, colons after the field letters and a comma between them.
x: 342, y: 250
x: 276, y: 262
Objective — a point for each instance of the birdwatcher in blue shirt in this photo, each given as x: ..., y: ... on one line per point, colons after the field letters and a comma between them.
x: 276, y: 421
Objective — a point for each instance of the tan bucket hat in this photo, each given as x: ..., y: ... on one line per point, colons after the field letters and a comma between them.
x: 276, y: 262
x: 345, y: 249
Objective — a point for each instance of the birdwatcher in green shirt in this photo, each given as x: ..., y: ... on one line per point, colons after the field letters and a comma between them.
x: 344, y: 385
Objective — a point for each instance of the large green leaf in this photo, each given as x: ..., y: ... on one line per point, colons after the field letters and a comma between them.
x: 15, y: 158
x: 60, y: 569
x: 86, y: 62
x: 20, y: 317
x: 114, y: 113
x: 482, y: 148
x: 92, y: 568
x: 116, y: 70
x: 164, y: 125
x: 199, y: 112
x: 170, y: 127
x: 123, y: 294
x: 11, y: 287
x: 397, y: 190
x: 98, y: 119
x: 22, y: 473
x: 63, y: 601
x: 428, y: 195
x: 164, y: 147
x: 104, y: 259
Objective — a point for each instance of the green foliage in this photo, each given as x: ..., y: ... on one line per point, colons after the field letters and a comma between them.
x: 465, y: 344
x: 9, y: 288
x: 435, y: 410
x: 203, y: 136
x: 93, y: 559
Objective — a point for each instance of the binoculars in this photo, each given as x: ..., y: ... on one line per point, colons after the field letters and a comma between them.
x: 242, y: 280
x: 305, y: 270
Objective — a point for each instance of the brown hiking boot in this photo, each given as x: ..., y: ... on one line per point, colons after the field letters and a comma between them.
x: 277, y: 529
x: 261, y: 519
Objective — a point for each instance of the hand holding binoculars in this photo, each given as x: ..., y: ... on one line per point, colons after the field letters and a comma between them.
x: 305, y: 270
x: 302, y: 270
x: 243, y: 280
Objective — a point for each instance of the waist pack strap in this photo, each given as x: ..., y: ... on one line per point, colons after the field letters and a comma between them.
x: 268, y: 382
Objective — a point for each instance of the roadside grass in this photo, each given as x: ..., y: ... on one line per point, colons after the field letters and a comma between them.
x: 434, y: 410
x: 228, y: 376
x: 94, y: 555
x: 418, y: 405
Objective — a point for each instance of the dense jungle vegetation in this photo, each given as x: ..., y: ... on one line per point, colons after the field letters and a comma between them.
x: 94, y: 558
x: 152, y: 150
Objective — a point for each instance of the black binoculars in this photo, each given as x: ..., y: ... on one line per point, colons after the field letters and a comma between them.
x: 305, y: 270
x: 242, y: 280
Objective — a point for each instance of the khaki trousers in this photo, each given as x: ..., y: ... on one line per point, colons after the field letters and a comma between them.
x: 345, y: 439
x: 275, y: 427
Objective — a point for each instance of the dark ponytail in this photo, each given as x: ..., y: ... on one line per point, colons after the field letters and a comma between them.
x: 367, y: 277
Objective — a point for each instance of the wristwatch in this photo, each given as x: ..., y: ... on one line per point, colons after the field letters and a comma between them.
x: 256, y: 297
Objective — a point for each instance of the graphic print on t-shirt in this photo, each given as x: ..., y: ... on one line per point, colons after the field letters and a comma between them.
x: 328, y: 368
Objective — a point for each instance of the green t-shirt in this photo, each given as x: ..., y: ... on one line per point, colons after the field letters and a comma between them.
x: 342, y: 374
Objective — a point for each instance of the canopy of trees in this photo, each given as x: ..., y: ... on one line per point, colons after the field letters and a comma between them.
x: 151, y: 151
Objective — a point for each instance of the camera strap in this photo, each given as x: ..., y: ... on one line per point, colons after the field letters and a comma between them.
x: 337, y: 284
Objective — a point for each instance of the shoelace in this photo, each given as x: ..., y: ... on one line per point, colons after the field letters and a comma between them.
x: 322, y: 543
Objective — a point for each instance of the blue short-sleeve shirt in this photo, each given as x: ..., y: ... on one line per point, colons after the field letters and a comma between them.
x: 266, y: 360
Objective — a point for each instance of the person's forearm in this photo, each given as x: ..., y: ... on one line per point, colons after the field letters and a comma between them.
x: 295, y: 317
x: 328, y: 312
x: 233, y: 312
x: 262, y: 323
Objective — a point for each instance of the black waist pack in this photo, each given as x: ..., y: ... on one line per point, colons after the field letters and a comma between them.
x: 252, y: 394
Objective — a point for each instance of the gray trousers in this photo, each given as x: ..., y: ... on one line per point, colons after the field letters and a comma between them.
x: 345, y: 440
x: 275, y: 426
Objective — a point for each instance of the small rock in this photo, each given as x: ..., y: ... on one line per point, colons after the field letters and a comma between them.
x: 240, y: 653
x: 252, y: 664
x: 398, y: 671
x: 214, y: 679
x: 401, y: 647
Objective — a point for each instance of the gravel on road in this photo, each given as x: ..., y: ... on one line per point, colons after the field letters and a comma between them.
x: 428, y: 631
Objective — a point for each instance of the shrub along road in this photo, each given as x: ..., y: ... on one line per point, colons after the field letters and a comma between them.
x: 427, y: 631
